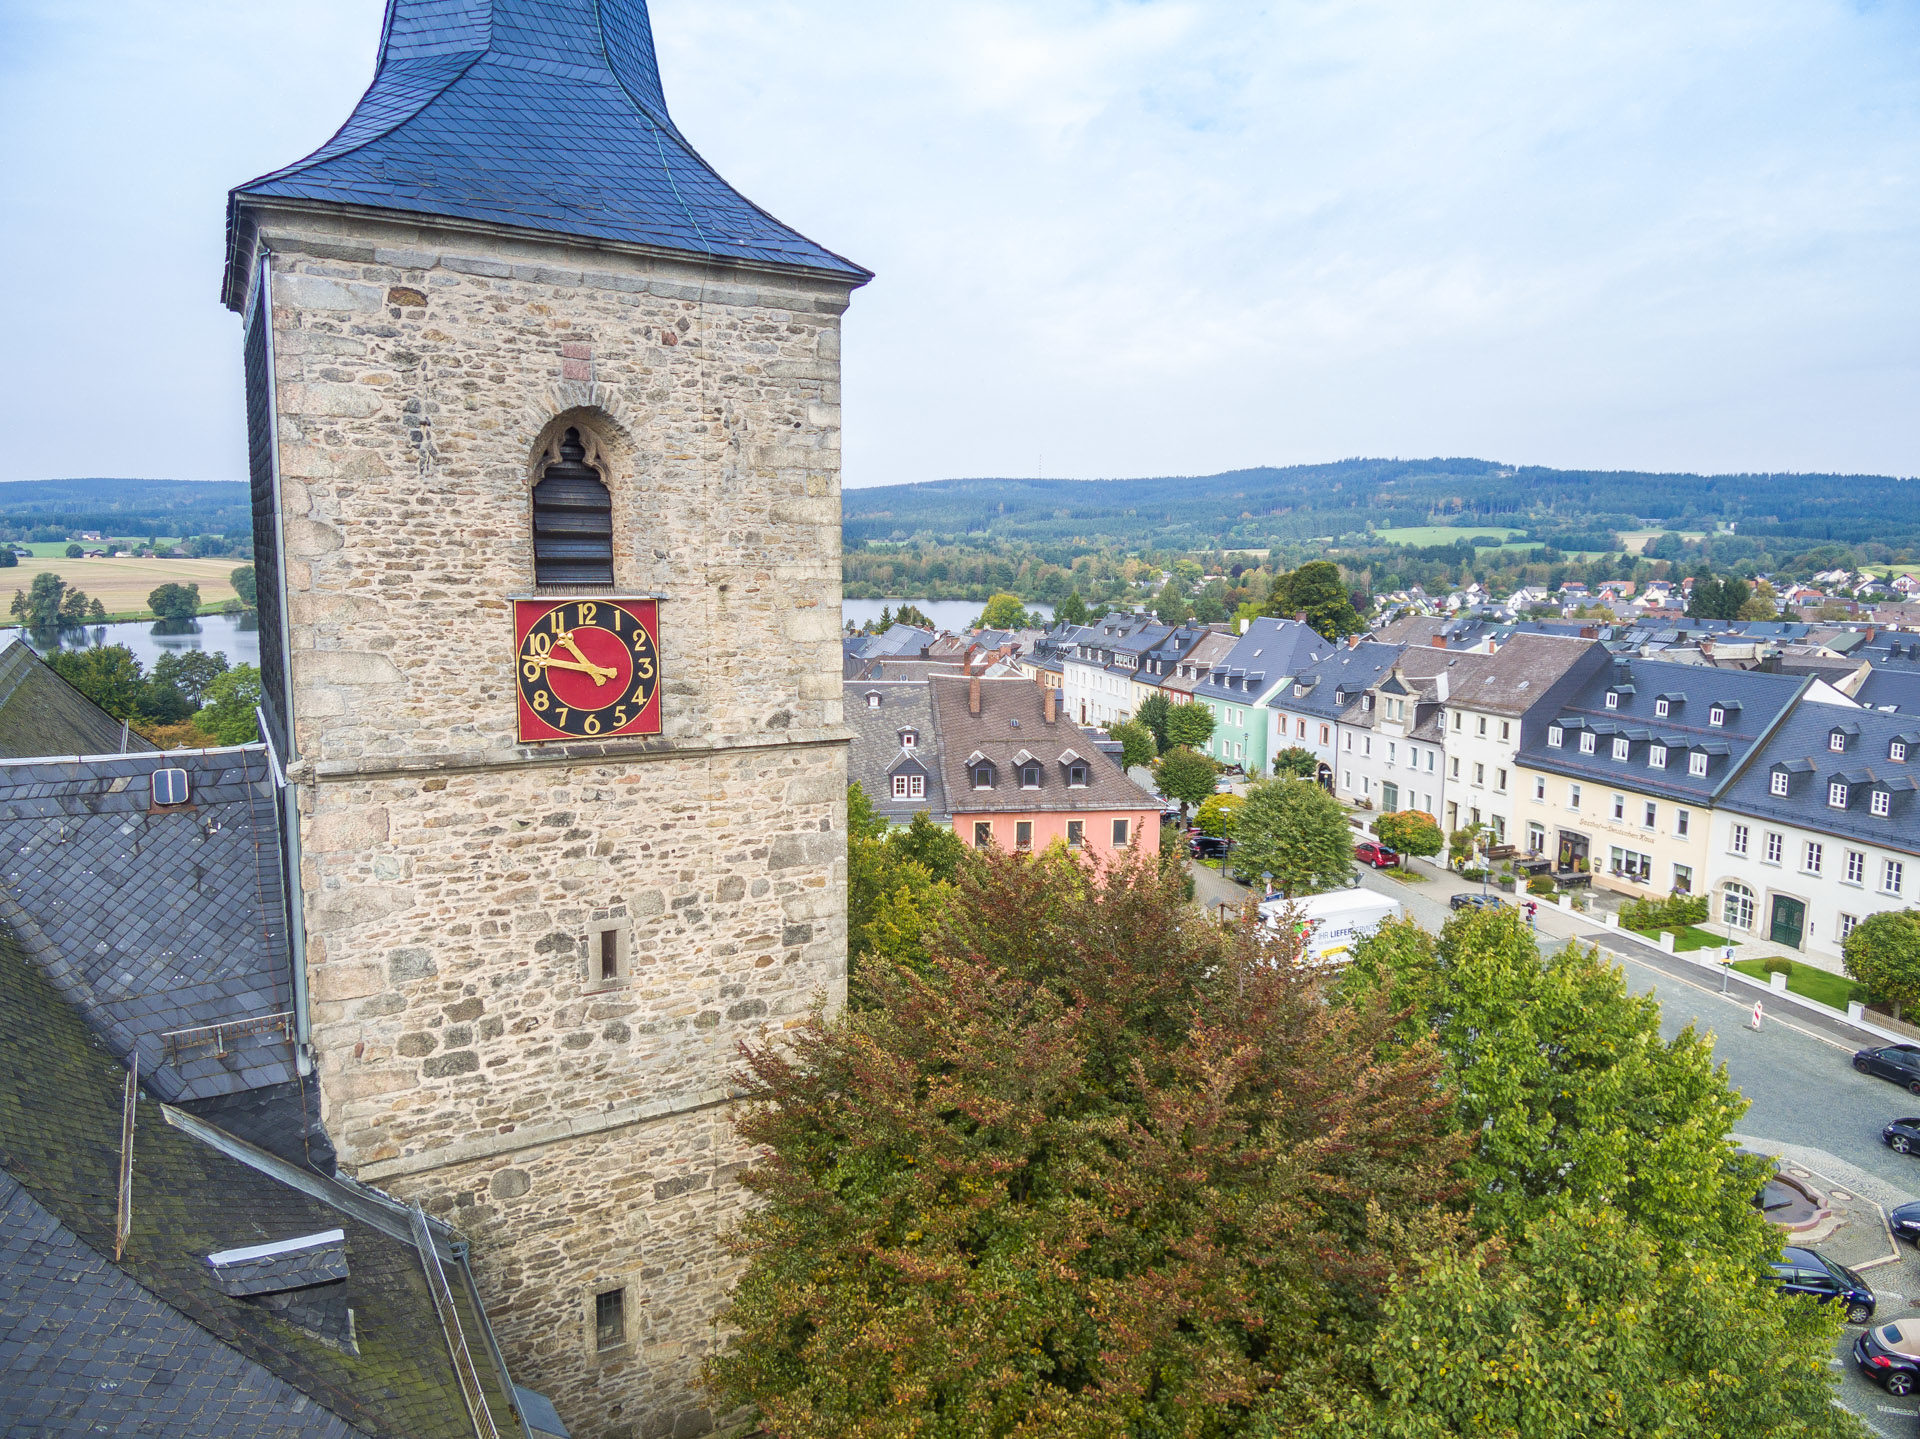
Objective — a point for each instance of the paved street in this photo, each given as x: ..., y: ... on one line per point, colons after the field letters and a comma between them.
x: 1808, y: 1103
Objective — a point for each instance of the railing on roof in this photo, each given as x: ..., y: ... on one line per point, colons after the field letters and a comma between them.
x: 177, y: 1042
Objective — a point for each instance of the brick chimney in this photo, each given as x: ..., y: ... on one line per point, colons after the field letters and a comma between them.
x: 973, y: 691
x: 1051, y: 706
x: 1439, y: 642
x: 1353, y: 642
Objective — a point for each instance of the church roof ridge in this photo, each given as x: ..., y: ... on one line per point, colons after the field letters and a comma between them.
x: 542, y: 115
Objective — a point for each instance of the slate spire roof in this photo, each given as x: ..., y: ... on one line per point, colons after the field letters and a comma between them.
x: 543, y: 115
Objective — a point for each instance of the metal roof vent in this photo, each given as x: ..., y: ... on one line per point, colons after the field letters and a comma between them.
x: 170, y: 787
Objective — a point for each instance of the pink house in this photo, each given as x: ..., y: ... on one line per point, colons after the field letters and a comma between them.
x: 1019, y: 776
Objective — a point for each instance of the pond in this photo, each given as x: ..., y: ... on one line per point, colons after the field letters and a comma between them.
x: 955, y: 615
x: 235, y: 636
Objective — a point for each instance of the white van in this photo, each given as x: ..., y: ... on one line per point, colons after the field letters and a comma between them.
x: 1333, y: 923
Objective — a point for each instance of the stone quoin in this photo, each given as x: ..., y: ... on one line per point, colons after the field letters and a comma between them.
x: 528, y: 967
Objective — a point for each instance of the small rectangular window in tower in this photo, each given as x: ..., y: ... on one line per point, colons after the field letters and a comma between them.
x: 608, y: 953
x: 610, y: 1320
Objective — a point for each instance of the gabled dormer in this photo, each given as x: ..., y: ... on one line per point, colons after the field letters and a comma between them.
x: 980, y: 771
x: 1722, y: 713
x: 1841, y: 737
x: 1785, y: 778
x: 1078, y: 772
x: 909, y: 738
x: 1669, y: 704
x: 1026, y: 769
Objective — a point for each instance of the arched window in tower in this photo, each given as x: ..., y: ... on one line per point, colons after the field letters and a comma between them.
x: 572, y: 520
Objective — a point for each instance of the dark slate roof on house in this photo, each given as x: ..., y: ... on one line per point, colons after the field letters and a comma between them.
x: 543, y: 115
x: 1269, y: 651
x: 156, y: 921
x: 1012, y: 720
x: 1801, y: 746
x: 1510, y: 681
x: 41, y: 714
x: 60, y: 1120
x: 1753, y: 702
x: 1348, y: 674
x: 877, y: 752
x: 1898, y: 690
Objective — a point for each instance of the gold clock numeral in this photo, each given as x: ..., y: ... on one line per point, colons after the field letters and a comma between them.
x: 540, y: 644
x: 562, y: 712
x: 554, y: 621
x: 587, y: 612
x: 618, y: 615
x: 643, y: 667
x: 540, y: 700
x: 591, y: 725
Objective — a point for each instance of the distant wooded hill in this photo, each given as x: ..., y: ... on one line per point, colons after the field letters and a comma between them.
x: 125, y: 507
x: 1265, y: 507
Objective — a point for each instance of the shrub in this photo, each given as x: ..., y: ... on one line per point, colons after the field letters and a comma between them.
x: 1540, y: 884
x: 1675, y: 912
x: 1775, y: 964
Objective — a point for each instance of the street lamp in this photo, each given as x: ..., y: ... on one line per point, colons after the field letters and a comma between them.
x: 1266, y: 884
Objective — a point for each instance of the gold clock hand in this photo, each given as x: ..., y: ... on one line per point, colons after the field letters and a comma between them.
x: 601, y: 674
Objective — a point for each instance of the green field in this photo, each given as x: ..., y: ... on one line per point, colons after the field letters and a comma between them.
x: 57, y: 549
x: 1440, y: 534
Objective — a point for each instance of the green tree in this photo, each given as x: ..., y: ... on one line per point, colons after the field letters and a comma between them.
x: 75, y: 552
x: 1410, y: 831
x: 1316, y: 591
x: 1762, y: 604
x: 9, y: 557
x: 1072, y: 610
x: 1296, y: 831
x: 189, y: 672
x: 43, y: 603
x: 1463, y: 844
x: 1181, y: 774
x: 1883, y: 952
x: 1170, y: 606
x: 1098, y: 1168
x: 175, y: 602
x: 1210, y: 605
x: 934, y: 847
x: 1217, y: 813
x: 1003, y: 612
x: 247, y: 585
x: 110, y: 676
x: 1153, y: 714
x: 1136, y: 743
x: 1190, y: 724
x: 1296, y: 763
x: 230, y: 701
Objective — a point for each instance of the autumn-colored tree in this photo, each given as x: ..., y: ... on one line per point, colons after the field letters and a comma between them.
x: 1216, y: 814
x: 1098, y: 1167
x: 1409, y: 831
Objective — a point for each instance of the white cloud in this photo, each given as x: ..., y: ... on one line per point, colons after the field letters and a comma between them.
x: 1162, y: 236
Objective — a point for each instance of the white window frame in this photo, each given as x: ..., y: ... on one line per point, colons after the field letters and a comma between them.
x: 1697, y: 763
x: 1737, y: 839
x: 1812, y: 855
x: 1586, y: 741
x: 1836, y: 795
x: 1660, y: 709
x: 1656, y: 756
x: 1555, y: 736
x: 1622, y: 748
x: 1880, y: 803
x: 1716, y: 717
x: 1893, y: 874
x: 1837, y: 742
x: 1776, y: 848
x: 1779, y: 782
x: 1856, y: 866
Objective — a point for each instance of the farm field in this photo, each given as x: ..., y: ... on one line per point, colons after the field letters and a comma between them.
x: 122, y: 586
x: 1440, y: 534
x: 57, y: 549
x: 1637, y: 540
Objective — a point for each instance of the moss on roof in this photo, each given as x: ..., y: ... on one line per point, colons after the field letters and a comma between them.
x: 41, y: 714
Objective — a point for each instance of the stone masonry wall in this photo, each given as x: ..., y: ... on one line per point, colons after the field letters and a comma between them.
x: 469, y: 1054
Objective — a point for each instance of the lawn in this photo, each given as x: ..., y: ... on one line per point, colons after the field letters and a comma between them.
x: 1820, y: 985
x: 1440, y: 534
x: 123, y: 585
x: 1686, y: 937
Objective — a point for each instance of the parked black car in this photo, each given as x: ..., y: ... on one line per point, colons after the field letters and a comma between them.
x: 1801, y: 1271
x: 1904, y: 1221
x: 1476, y: 901
x: 1898, y: 1062
x: 1902, y: 1136
x: 1890, y: 1356
x: 1206, y: 846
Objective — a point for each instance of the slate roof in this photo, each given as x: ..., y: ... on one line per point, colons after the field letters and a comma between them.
x: 543, y: 115
x: 876, y: 749
x: 153, y: 921
x: 1898, y: 689
x: 1012, y: 719
x: 60, y: 1118
x: 1801, y: 745
x: 1350, y: 673
x: 41, y: 714
x: 1271, y: 649
x: 1509, y: 681
x: 1754, y: 702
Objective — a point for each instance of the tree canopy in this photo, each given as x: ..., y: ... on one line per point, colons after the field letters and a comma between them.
x: 1189, y: 724
x: 1181, y: 774
x: 1217, y: 813
x: 1316, y: 591
x: 1410, y: 831
x: 1004, y: 612
x: 48, y: 603
x: 1294, y: 762
x: 1137, y: 746
x: 1883, y: 952
x: 1296, y: 831
x: 1153, y: 713
x: 174, y: 602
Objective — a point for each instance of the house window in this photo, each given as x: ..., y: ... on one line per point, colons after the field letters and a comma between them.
x: 1586, y: 741
x: 1779, y: 782
x: 1479, y: 774
x: 1076, y: 833
x: 1483, y: 724
x: 1500, y: 781
x: 983, y: 776
x: 1651, y: 817
x: 1657, y: 756
x: 1856, y: 867
x: 1897, y: 751
x: 1736, y: 906
x: 609, y: 1319
x: 1613, y: 700
x: 608, y: 953
x: 1683, y: 879
x: 1573, y: 796
x: 1738, y: 841
x: 1716, y: 716
x: 1456, y: 719
x: 572, y: 520
x: 1621, y: 748
x: 1682, y: 822
x: 1029, y: 776
x: 1812, y: 858
x: 1891, y: 872
x: 1554, y: 736
x: 1697, y: 764
x: 1430, y: 754
x: 1539, y: 787
x: 1619, y: 806
x: 982, y: 833
x: 1880, y: 801
x: 1120, y: 834
x: 1660, y: 708
x: 899, y: 786
x: 1323, y: 734
x: 1775, y: 847
x: 1847, y: 922
x: 1837, y: 742
x: 1836, y: 796
x: 1456, y: 766
x: 1536, y: 838
x: 909, y: 738
x: 1023, y: 834
x: 1076, y: 776
x: 916, y: 786
x: 1505, y: 729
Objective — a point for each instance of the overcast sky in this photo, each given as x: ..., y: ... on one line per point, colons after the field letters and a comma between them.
x: 1167, y: 236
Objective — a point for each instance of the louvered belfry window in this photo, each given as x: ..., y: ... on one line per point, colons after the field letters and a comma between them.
x: 572, y: 521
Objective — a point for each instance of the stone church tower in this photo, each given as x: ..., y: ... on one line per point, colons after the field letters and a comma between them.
x: 544, y: 425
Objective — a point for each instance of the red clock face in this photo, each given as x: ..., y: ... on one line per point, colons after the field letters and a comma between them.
x: 586, y: 669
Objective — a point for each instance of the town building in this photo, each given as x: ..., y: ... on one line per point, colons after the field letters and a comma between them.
x: 1266, y: 656
x: 1308, y: 712
x: 1159, y: 667
x: 1097, y: 673
x: 1018, y: 775
x: 1213, y: 647
x: 544, y: 425
x: 1820, y: 828
x: 895, y: 753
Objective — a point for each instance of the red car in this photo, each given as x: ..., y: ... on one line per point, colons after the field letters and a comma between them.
x: 1377, y: 855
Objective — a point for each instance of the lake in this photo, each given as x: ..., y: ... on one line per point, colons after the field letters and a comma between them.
x: 953, y: 615
x: 235, y: 636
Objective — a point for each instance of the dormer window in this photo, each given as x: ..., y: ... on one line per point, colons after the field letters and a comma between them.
x: 1586, y: 741
x: 1030, y: 775
x: 873, y: 699
x: 1657, y: 756
x: 1555, y: 736
x: 1621, y: 748
x: 909, y: 786
x: 1837, y: 741
x: 909, y: 739
x: 1613, y: 699
x: 1897, y: 751
x: 1881, y: 803
x: 1837, y: 795
x: 1697, y: 764
x: 1661, y: 709
x: 1077, y: 776
x: 1779, y: 783
x: 983, y: 776
x: 1717, y: 716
